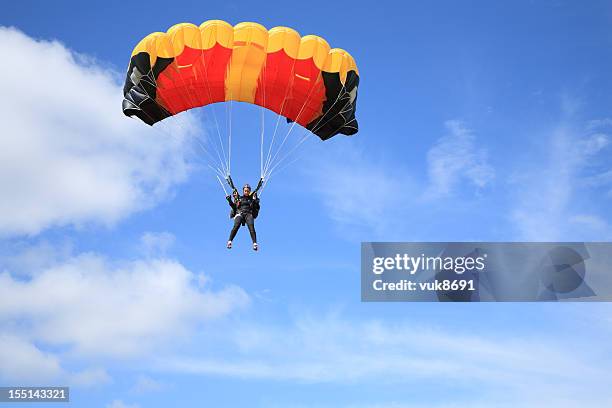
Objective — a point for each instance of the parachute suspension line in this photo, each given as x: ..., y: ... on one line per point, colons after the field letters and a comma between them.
x: 274, y: 166
x: 294, y: 122
x: 217, y: 174
x: 213, y: 107
x: 209, y: 154
x: 274, y: 134
x: 342, y: 111
x: 178, y: 122
x: 296, y: 158
x: 194, y: 102
x: 212, y: 159
x: 216, y: 171
x: 284, y: 139
x: 222, y: 161
x: 229, y: 149
x: 231, y: 100
x: 263, y: 186
x: 214, y: 111
x: 271, y: 171
x: 222, y: 185
x: 268, y: 155
x: 222, y: 153
x: 280, y: 114
x: 261, y: 144
x: 166, y: 133
x: 161, y: 129
x: 263, y: 123
x: 316, y: 126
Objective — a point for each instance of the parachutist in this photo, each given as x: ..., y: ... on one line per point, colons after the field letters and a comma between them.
x: 245, y: 208
x: 173, y: 72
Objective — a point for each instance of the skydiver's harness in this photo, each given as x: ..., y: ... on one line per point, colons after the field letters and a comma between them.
x: 254, y: 205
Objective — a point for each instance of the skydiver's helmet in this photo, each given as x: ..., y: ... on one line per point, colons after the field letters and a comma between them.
x: 246, y: 186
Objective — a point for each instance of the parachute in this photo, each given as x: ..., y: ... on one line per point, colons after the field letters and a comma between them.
x: 302, y: 79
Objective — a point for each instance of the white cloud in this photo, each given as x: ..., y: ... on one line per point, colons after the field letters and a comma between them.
x: 145, y: 384
x: 358, y: 190
x: 68, y: 155
x: 477, y: 399
x: 61, y: 310
x: 366, y: 194
x: 92, y: 307
x: 526, y: 369
x: 454, y: 158
x: 602, y: 179
x: 24, y: 258
x: 89, y: 377
x: 22, y: 361
x: 552, y: 190
x: 589, y: 221
x: 593, y: 144
x: 157, y: 243
x: 121, y: 404
x: 334, y: 350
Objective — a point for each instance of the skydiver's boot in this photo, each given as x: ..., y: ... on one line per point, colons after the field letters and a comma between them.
x: 255, y: 246
x: 229, y: 244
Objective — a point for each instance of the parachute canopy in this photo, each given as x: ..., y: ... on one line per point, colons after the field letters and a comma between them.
x: 300, y: 78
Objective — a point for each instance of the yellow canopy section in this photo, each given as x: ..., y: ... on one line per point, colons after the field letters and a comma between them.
x: 246, y: 36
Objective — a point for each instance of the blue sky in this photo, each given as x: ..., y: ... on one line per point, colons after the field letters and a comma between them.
x: 478, y: 121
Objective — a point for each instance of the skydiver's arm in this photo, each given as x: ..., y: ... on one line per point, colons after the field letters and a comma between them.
x: 231, y: 203
x: 259, y: 185
x: 231, y: 183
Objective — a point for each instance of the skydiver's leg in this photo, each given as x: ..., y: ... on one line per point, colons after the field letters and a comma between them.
x: 237, y: 222
x: 250, y: 221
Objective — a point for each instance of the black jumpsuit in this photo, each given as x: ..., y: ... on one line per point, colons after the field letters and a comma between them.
x: 245, y: 208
